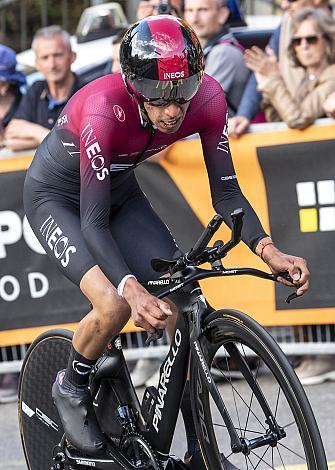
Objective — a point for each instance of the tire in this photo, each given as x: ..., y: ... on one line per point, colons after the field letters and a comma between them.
x: 280, y: 386
x: 39, y: 423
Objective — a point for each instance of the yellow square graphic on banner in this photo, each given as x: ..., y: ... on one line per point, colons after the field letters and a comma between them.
x: 308, y: 220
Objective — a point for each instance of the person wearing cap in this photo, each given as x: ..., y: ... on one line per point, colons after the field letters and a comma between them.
x: 45, y: 99
x: 10, y: 83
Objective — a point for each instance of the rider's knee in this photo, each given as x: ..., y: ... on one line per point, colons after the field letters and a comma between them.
x: 109, y: 305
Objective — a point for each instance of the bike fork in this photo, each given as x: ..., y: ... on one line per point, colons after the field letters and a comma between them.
x: 238, y: 444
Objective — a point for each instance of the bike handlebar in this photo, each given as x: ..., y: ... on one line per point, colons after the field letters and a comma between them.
x: 200, y: 254
x: 205, y: 238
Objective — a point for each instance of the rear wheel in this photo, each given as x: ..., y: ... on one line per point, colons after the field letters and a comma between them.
x: 267, y: 404
x: 40, y: 426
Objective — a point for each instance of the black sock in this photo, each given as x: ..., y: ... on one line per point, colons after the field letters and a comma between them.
x: 78, y: 369
x: 186, y: 411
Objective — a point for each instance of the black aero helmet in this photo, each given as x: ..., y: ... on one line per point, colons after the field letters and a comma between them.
x: 161, y: 60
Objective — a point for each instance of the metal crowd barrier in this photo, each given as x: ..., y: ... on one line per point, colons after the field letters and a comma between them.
x: 293, y: 340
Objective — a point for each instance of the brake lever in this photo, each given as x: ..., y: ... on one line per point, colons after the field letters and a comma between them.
x: 288, y: 278
x: 153, y: 337
x: 292, y: 296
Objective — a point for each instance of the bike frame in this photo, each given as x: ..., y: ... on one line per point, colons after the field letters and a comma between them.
x: 156, y: 418
x: 157, y: 423
x: 185, y: 344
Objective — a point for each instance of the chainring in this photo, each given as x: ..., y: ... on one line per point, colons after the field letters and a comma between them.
x: 139, y: 452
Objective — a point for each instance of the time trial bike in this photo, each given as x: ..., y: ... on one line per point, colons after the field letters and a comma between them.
x: 261, y: 420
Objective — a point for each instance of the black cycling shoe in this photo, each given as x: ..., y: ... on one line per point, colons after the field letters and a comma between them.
x: 75, y: 409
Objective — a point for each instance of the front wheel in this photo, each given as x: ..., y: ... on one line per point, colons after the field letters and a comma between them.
x: 40, y: 426
x: 266, y: 403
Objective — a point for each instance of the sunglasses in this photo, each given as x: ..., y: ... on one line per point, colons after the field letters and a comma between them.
x: 311, y: 40
x: 162, y: 102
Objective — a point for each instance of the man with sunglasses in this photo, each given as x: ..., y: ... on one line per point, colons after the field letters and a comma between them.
x: 86, y: 208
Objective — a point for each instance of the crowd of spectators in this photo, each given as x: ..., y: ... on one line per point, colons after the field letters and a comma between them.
x: 292, y: 80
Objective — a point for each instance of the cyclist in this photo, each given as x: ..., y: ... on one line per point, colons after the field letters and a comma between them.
x: 87, y: 210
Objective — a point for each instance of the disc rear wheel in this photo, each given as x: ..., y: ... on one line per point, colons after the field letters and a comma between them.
x: 40, y: 426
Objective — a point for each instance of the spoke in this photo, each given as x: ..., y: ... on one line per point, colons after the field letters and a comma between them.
x: 277, y: 403
x: 246, y: 461
x: 272, y: 450
x: 250, y: 461
x: 261, y: 459
x: 245, y: 403
x: 281, y: 458
x: 238, y: 429
x: 289, y: 424
x: 293, y: 452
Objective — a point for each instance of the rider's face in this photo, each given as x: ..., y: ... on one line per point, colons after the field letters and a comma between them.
x: 167, y: 118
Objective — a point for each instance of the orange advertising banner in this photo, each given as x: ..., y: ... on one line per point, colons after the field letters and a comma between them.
x: 288, y: 176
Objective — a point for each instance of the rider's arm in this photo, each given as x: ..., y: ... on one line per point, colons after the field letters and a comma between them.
x: 96, y: 148
x: 227, y: 195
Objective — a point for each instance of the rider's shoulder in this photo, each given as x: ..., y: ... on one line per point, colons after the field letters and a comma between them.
x: 110, y: 87
x: 209, y: 88
x: 210, y: 98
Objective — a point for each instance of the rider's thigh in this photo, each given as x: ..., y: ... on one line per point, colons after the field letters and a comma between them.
x: 55, y: 220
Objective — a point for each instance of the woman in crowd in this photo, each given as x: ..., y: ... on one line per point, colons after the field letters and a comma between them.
x: 10, y: 83
x: 312, y: 47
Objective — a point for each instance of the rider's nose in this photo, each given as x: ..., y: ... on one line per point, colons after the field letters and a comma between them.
x: 172, y: 111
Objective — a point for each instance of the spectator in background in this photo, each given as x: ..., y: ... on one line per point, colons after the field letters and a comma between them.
x: 151, y: 7
x: 329, y: 105
x: 223, y: 54
x: 10, y: 83
x: 312, y: 47
x: 250, y: 104
x: 113, y: 65
x: 325, y: 5
x: 45, y: 99
x: 10, y: 95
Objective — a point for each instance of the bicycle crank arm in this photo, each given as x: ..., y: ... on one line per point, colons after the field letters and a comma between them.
x: 112, y: 460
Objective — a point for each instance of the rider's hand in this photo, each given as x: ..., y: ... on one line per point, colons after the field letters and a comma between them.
x: 147, y: 311
x: 238, y: 125
x: 296, y: 267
